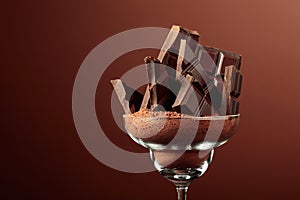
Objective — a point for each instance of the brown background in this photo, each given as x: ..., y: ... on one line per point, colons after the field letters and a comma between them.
x: 43, y: 45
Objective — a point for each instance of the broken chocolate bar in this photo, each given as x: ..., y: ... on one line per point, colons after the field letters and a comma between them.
x: 232, y: 106
x: 160, y: 94
x: 146, y: 99
x: 227, y: 59
x: 233, y: 81
x: 208, y: 59
x: 172, y: 42
x: 180, y: 60
x: 129, y: 98
x: 178, y: 63
x: 232, y: 89
x: 190, y: 101
x: 214, y: 95
x: 173, y: 46
x: 196, y: 70
x: 170, y: 60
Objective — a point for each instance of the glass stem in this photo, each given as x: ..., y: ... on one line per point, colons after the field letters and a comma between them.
x: 181, y: 192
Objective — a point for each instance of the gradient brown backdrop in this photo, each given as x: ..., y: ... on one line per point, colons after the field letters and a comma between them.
x: 43, y: 45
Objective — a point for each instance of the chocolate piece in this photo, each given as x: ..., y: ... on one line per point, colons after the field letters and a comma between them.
x: 190, y: 101
x: 208, y: 59
x: 232, y: 106
x: 180, y: 60
x: 232, y: 85
x: 203, y: 82
x: 161, y: 97
x: 203, y: 65
x: 153, y: 70
x: 172, y: 42
x: 169, y: 52
x: 129, y: 98
x: 170, y: 60
x: 196, y: 70
x: 183, y: 92
x: 135, y: 100
x: 146, y: 100
x: 204, y: 108
x: 227, y: 59
x: 233, y: 81
x: 178, y: 40
x: 160, y: 94
x: 214, y: 96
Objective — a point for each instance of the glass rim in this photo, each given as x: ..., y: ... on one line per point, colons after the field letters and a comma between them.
x: 222, y: 117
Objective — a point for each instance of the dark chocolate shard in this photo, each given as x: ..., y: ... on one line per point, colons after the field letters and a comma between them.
x: 153, y: 72
x: 232, y: 106
x: 129, y: 98
x: 146, y: 99
x: 176, y: 62
x: 180, y: 60
x: 233, y: 81
x: 227, y: 59
x: 199, y: 74
x: 203, y: 65
x: 153, y: 69
x: 204, y: 109
x: 172, y: 42
x: 208, y: 59
x: 170, y: 60
x: 232, y: 89
x: 169, y: 52
x: 161, y: 98
x: 190, y: 101
x: 135, y: 100
x: 160, y: 95
x: 183, y: 94
x: 214, y: 96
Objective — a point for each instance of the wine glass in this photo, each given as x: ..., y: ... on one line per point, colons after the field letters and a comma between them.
x: 181, y: 146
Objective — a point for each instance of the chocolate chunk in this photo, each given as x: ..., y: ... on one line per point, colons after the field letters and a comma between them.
x: 180, y: 60
x: 170, y: 60
x: 183, y: 92
x: 232, y: 106
x: 161, y: 98
x: 172, y: 42
x: 208, y: 59
x: 205, y: 84
x: 153, y: 69
x: 135, y: 101
x: 169, y: 52
x: 129, y: 98
x: 232, y: 86
x: 200, y: 75
x: 226, y: 59
x: 160, y: 95
x: 214, y: 96
x: 177, y: 63
x: 190, y: 101
x: 203, y: 65
x: 233, y: 81
x: 146, y: 99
